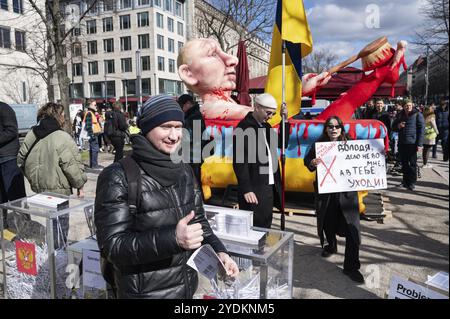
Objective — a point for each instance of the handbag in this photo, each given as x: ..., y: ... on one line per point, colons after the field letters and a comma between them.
x: 83, y: 133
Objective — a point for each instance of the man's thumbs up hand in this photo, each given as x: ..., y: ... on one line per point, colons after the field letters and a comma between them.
x: 189, y: 236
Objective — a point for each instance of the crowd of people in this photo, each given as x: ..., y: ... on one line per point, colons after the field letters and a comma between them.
x: 151, y: 217
x: 411, y: 129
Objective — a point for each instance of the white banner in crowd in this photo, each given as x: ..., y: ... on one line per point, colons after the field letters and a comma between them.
x: 351, y: 166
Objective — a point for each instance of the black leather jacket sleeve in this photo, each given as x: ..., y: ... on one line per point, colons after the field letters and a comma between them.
x: 311, y: 154
x: 119, y: 243
x: 200, y: 217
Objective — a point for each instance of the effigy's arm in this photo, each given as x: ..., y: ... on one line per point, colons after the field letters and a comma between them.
x: 345, y: 106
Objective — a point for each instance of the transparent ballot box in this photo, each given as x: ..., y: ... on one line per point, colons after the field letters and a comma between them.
x: 34, y: 259
x: 266, y: 269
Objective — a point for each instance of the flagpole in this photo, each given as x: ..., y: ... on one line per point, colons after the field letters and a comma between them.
x: 283, y: 120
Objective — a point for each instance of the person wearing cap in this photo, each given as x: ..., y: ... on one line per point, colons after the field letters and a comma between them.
x: 255, y: 162
x: 146, y: 248
x: 193, y: 122
x: 410, y: 126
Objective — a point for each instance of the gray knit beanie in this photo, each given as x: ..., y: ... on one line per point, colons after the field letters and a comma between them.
x: 158, y: 110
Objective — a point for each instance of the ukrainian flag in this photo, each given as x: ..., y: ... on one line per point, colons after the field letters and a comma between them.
x: 290, y: 25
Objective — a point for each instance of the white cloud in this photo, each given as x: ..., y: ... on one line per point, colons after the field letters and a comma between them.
x: 342, y: 25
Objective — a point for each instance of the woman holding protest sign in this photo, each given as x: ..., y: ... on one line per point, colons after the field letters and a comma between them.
x: 337, y: 213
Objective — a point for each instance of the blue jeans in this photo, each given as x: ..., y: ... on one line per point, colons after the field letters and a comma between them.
x: 93, y: 152
x: 12, y: 185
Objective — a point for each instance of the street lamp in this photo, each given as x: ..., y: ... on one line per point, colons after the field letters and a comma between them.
x: 138, y: 78
x: 126, y: 96
x: 106, y: 89
x: 426, y: 77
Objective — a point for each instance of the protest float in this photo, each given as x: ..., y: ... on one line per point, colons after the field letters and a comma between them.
x: 381, y: 63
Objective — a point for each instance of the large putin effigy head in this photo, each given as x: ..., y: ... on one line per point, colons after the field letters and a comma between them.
x: 211, y: 73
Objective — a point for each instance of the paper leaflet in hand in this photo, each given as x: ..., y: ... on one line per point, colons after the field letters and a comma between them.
x: 206, y: 262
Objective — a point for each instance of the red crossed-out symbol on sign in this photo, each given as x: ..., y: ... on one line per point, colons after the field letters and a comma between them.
x: 328, y: 171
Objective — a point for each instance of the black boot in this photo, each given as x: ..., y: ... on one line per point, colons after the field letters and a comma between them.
x: 329, y: 250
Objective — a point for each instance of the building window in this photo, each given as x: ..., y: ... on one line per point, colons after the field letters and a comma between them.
x: 109, y: 66
x: 125, y: 43
x: 168, y: 5
x: 76, y: 49
x: 145, y: 63
x: 170, y: 87
x: 171, y: 65
x: 62, y: 31
x: 76, y: 32
x: 93, y: 5
x: 108, y: 24
x: 91, y: 26
x: 108, y: 45
x: 157, y: 3
x: 146, y: 86
x: 92, y: 47
x: 63, y: 50
x: 4, y: 4
x: 77, y: 70
x: 125, y: 4
x: 170, y: 24
x: 160, y: 63
x: 142, y: 18
x: 179, y: 9
x: 96, y: 89
x: 180, y: 28
x: 159, y: 20
x: 160, y: 42
x: 18, y: 6
x: 144, y: 41
x: 143, y: 2
x: 108, y: 5
x: 180, y: 46
x: 171, y: 45
x: 111, y: 88
x: 129, y: 86
x: 20, y: 40
x: 126, y: 65
x: 125, y: 22
x: 77, y: 90
x: 93, y: 68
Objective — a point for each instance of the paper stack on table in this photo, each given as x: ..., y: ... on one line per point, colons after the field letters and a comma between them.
x: 48, y: 201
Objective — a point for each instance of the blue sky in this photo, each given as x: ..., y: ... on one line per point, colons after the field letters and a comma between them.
x: 346, y: 26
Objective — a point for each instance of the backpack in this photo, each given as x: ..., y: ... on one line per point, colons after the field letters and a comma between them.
x: 133, y: 176
x: 110, y: 125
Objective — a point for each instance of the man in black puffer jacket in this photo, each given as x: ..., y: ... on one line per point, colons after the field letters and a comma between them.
x: 148, y: 249
x: 12, y: 184
x: 410, y: 126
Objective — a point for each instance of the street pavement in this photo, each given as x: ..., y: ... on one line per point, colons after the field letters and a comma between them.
x: 412, y: 242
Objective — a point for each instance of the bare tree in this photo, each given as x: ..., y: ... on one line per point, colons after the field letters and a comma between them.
x: 54, y: 50
x: 319, y: 61
x: 434, y: 34
x: 249, y: 19
x: 15, y: 90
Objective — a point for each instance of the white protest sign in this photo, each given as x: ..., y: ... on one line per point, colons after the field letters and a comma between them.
x: 351, y: 166
x: 92, y: 274
x: 404, y: 289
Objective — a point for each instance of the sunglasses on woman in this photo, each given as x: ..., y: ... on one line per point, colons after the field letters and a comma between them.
x: 269, y: 113
x: 330, y: 126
